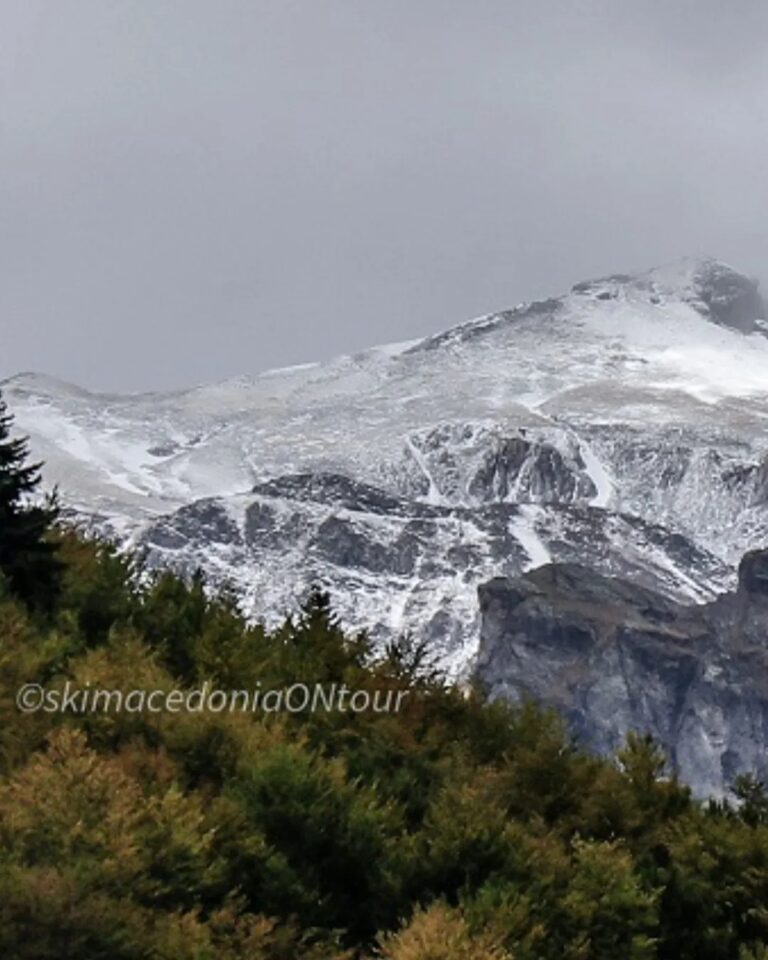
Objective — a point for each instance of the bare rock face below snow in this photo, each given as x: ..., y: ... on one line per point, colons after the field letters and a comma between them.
x: 395, y: 562
x: 731, y: 299
x: 612, y: 657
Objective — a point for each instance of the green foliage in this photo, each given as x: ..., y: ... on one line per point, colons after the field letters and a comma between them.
x: 28, y: 561
x: 99, y: 588
x: 753, y: 798
x: 332, y: 834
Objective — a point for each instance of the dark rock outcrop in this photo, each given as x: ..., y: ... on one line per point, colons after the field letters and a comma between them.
x: 613, y: 657
x: 753, y: 574
x: 730, y: 298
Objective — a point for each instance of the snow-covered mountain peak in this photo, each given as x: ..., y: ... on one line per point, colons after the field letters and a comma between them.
x: 716, y: 290
x: 661, y: 307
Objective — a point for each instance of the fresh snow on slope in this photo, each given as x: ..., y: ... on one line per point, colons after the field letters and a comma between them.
x: 523, y: 528
x: 598, y: 475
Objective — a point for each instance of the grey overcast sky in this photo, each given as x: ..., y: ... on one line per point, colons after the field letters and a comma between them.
x: 197, y: 189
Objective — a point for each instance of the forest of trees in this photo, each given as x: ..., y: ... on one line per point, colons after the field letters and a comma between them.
x: 454, y: 829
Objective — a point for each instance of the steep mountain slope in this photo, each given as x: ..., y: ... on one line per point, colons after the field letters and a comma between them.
x: 624, y: 425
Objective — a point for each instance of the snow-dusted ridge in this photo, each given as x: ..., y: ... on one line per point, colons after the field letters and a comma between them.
x: 624, y: 424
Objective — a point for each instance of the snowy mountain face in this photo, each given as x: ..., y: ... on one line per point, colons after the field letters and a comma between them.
x: 623, y: 426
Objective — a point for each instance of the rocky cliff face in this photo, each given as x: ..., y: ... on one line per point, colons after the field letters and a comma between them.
x: 612, y: 656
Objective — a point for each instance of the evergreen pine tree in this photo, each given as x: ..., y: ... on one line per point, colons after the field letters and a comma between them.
x: 28, y: 560
x: 317, y: 612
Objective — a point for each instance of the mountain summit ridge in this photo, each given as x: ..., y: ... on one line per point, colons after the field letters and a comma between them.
x: 710, y: 284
